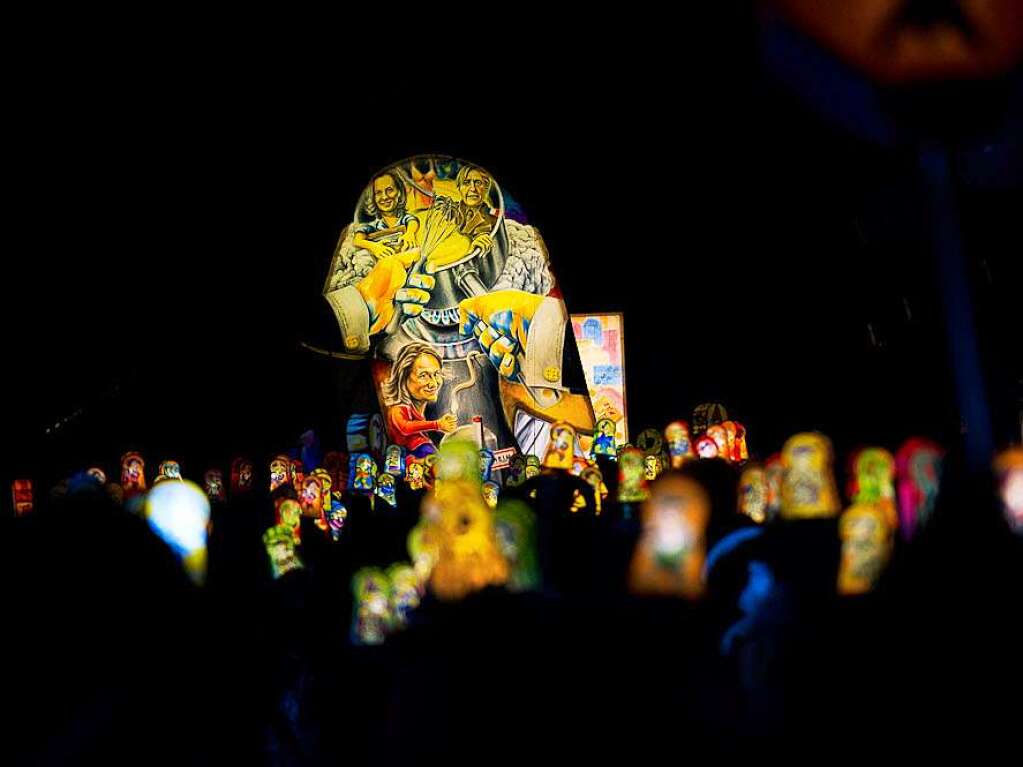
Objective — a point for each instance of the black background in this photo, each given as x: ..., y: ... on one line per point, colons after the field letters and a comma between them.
x: 172, y: 210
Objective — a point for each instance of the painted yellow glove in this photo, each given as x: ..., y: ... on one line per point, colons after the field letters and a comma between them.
x: 500, y: 322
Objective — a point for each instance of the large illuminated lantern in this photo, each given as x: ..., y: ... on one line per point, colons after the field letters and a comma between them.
x: 458, y: 307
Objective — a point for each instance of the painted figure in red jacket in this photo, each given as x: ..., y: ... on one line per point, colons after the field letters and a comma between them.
x: 415, y: 382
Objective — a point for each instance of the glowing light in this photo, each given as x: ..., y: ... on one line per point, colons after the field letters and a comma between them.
x: 179, y: 513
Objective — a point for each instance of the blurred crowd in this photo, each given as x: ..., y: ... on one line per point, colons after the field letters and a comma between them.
x: 672, y: 596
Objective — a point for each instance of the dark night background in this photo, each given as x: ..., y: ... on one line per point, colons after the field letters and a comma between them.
x: 172, y: 212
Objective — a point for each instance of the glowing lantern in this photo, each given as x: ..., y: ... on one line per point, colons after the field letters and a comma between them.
x: 680, y: 447
x: 21, y: 490
x: 1009, y: 470
x: 873, y: 481
x: 373, y: 619
x: 179, y: 513
x: 808, y: 485
x: 561, y: 448
x: 363, y: 474
x: 133, y: 474
x: 280, y: 548
x: 515, y: 528
x: 753, y: 493
x: 280, y: 471
x: 241, y: 476
x: 604, y: 439
x: 719, y: 435
x: 213, y: 484
x: 706, y: 447
x: 866, y: 547
x: 468, y: 558
x: 632, y: 482
x: 669, y: 557
x: 918, y: 468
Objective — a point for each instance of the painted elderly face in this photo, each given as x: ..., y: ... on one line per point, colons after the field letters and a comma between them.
x: 425, y: 379
x: 385, y: 193
x: 245, y: 475
x: 474, y: 188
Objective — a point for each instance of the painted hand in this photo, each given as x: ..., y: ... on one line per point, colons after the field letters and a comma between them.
x: 500, y: 322
x: 390, y: 286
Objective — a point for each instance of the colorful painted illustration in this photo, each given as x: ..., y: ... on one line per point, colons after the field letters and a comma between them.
x: 632, y: 482
x: 21, y: 492
x: 133, y: 474
x: 491, y: 494
x: 280, y: 471
x: 601, y: 342
x: 706, y: 415
x: 363, y: 473
x: 604, y: 441
x: 918, y: 468
x: 706, y: 447
x: 486, y: 464
x: 312, y: 498
x: 337, y: 517
x: 866, y: 547
x: 753, y: 493
x: 288, y: 512
x: 719, y: 434
x: 516, y: 472
x: 385, y: 489
x: 680, y: 446
x: 279, y: 542
x: 167, y: 470
x: 241, y: 475
x: 808, y: 483
x: 560, y: 448
x: 872, y: 480
x: 213, y: 484
x: 457, y: 306
x: 532, y: 466
x: 415, y: 474
x: 394, y: 460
